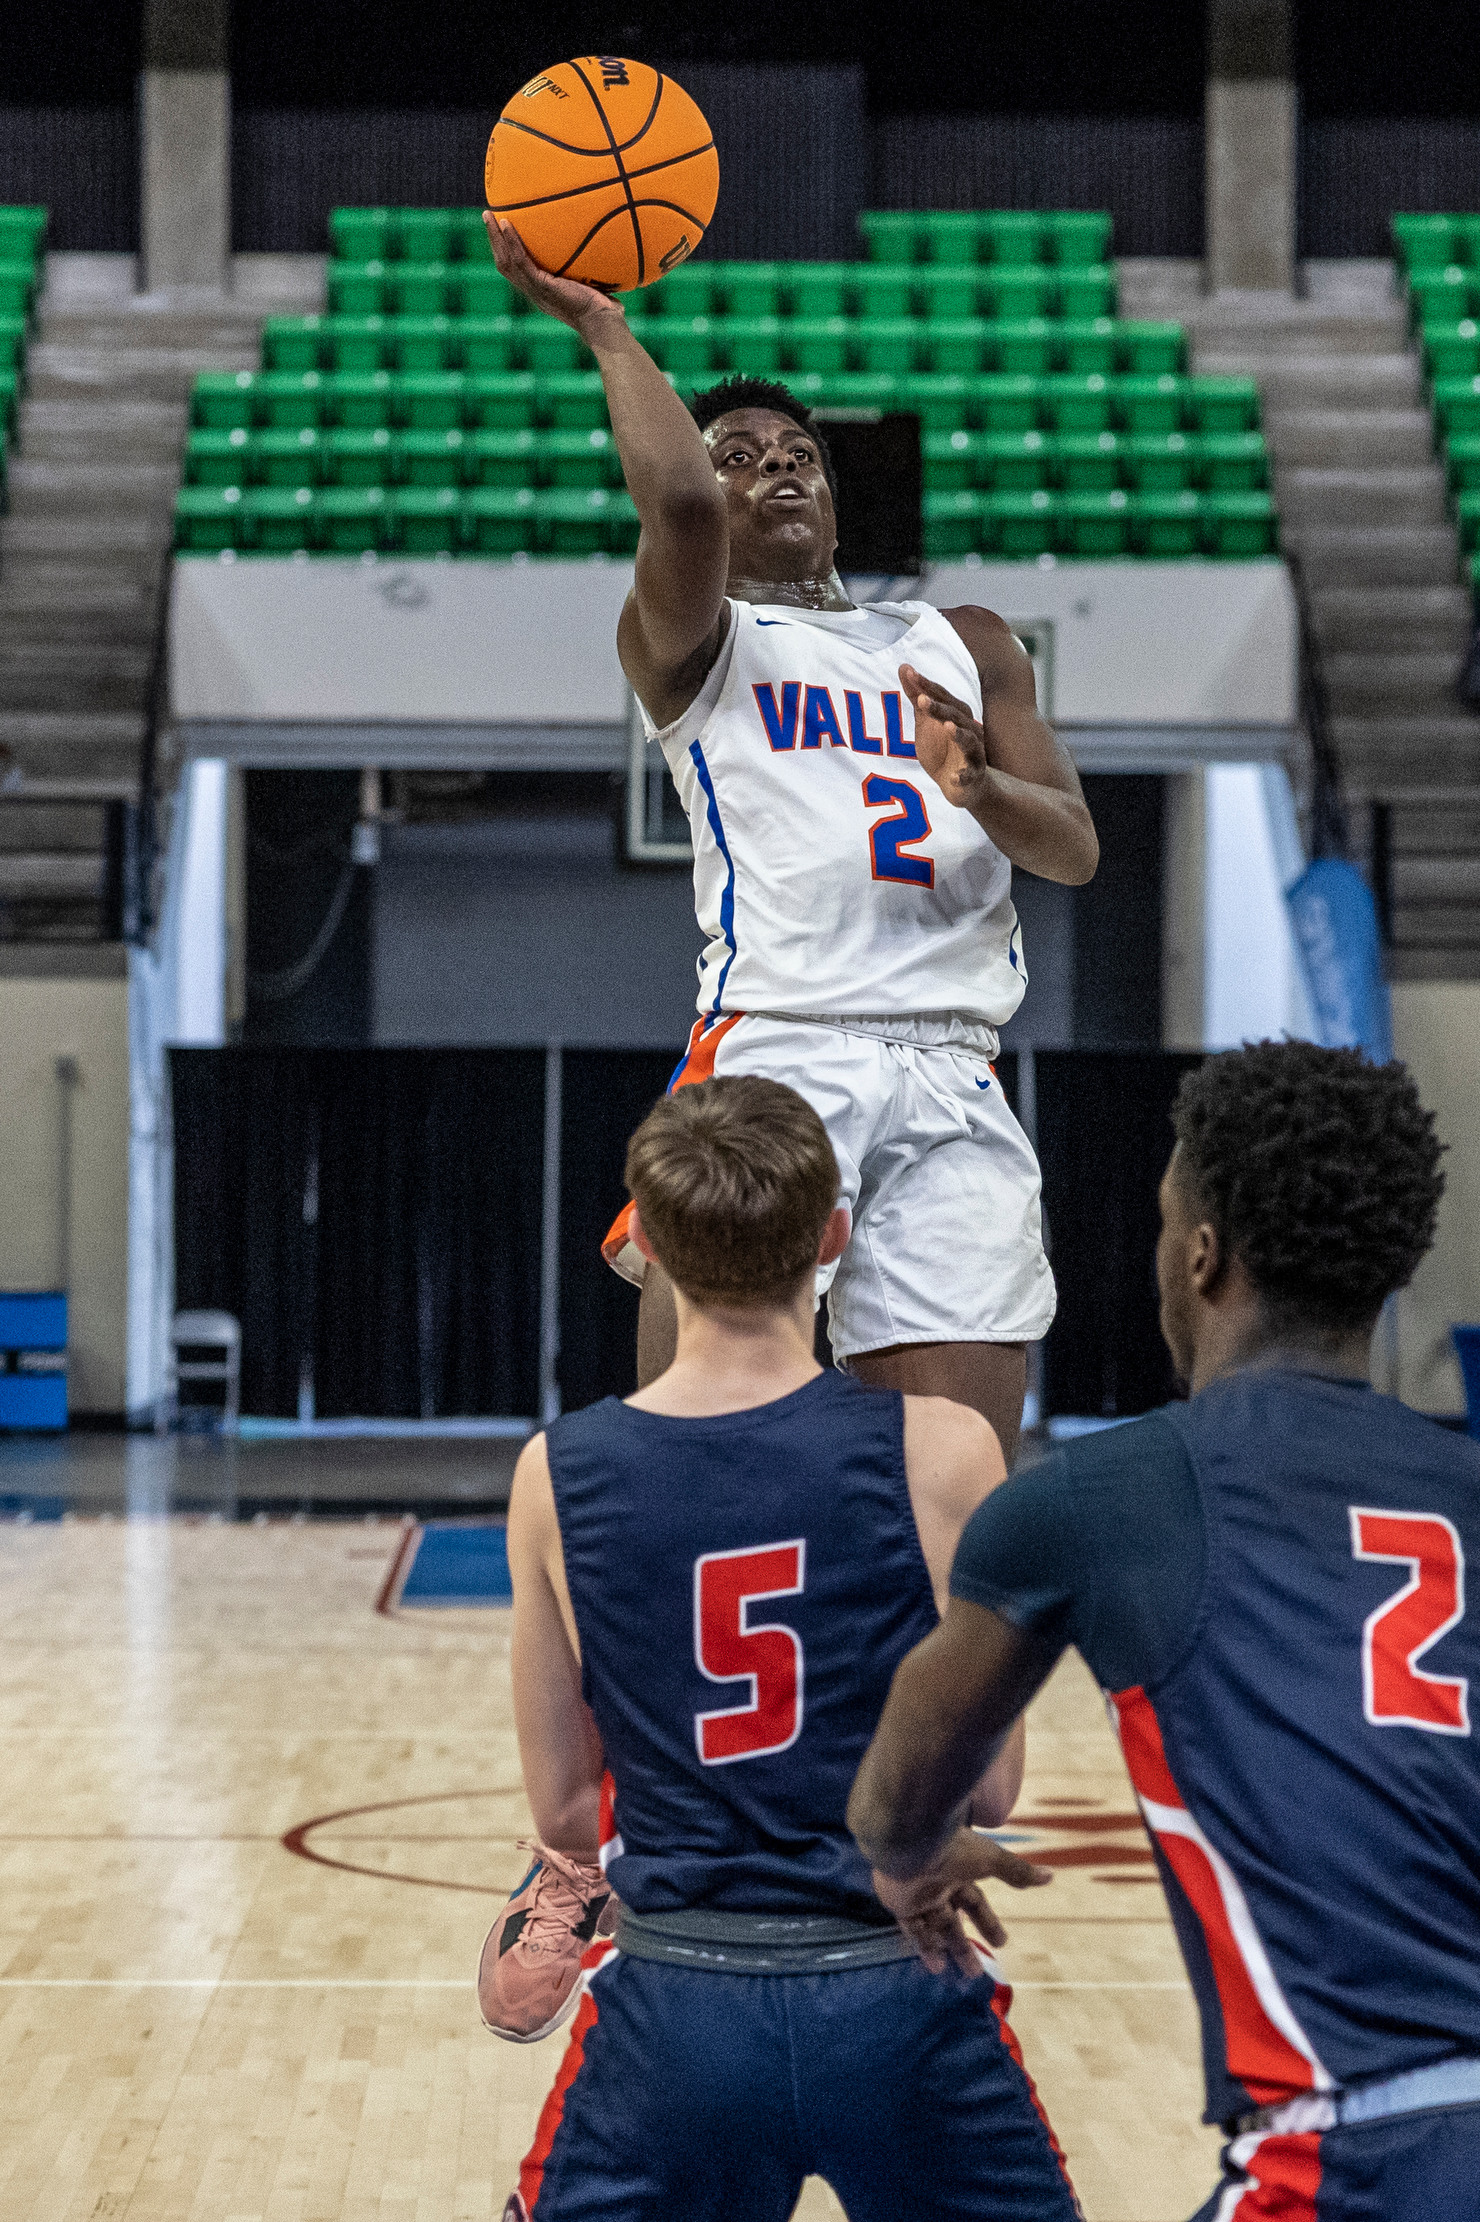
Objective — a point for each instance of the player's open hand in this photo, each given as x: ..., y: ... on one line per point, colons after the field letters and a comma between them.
x: 584, y: 307
x: 932, y: 1907
x: 949, y: 740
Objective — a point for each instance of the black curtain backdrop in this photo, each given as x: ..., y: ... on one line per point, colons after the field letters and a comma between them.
x: 82, y: 164
x: 605, y: 1095
x: 373, y: 1219
x: 1104, y: 1137
x: 1356, y: 170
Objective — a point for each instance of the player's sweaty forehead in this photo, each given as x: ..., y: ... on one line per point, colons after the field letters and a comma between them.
x: 757, y: 427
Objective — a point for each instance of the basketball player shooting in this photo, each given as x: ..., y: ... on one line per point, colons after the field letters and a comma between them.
x: 859, y: 783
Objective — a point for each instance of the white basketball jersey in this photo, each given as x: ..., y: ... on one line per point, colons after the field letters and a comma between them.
x: 831, y: 875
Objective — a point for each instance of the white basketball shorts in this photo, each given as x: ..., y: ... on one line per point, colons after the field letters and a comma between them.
x: 947, y: 1242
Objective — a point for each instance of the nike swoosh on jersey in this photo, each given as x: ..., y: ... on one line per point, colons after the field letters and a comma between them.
x: 771, y: 621
x: 984, y: 1083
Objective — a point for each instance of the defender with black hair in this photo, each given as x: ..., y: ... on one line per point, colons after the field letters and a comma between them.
x: 1269, y: 1584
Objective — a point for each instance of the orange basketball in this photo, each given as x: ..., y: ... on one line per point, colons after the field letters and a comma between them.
x: 606, y: 169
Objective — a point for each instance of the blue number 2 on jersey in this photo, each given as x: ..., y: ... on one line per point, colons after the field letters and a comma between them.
x: 892, y: 836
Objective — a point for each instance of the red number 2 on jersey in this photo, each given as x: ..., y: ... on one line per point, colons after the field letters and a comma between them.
x: 1395, y: 1689
x: 728, y: 1649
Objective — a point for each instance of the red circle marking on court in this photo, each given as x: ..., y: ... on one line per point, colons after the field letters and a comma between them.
x: 295, y: 1840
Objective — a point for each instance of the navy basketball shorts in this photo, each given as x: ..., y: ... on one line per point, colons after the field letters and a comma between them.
x: 689, y: 2094
x: 1422, y: 2167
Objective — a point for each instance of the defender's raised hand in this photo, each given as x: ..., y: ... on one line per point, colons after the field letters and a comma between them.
x: 949, y: 740
x: 585, y: 308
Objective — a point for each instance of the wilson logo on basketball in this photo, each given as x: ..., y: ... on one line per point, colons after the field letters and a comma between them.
x: 613, y: 71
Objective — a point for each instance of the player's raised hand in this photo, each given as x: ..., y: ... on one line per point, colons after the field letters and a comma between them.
x: 949, y: 740
x: 930, y: 1909
x: 584, y: 307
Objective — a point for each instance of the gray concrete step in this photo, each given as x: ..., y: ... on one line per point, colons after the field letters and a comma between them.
x: 76, y: 430
x: 145, y: 374
x: 1379, y: 618
x: 1350, y: 439
x: 56, y: 826
x: 40, y: 488
x: 1384, y: 756
x: 50, y: 876
x: 50, y: 746
x: 1407, y: 495
x: 149, y: 326
x: 1431, y: 880
x: 1395, y: 675
x: 1318, y: 382
x: 92, y: 538
x: 1304, y: 329
x: 1396, y: 555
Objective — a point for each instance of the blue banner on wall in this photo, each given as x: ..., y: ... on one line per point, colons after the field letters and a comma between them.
x: 1335, y: 922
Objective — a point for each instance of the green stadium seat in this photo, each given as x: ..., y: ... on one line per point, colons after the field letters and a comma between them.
x: 1462, y: 462
x: 430, y: 400
x: 952, y: 235
x: 1007, y: 402
x: 1096, y: 524
x: 1233, y: 462
x: 1424, y: 242
x: 483, y: 290
x: 357, y: 343
x: 748, y: 288
x: 947, y: 292
x: 503, y: 401
x: 22, y: 233
x: 1467, y: 239
x: 961, y: 346
x: 1165, y: 525
x: 427, y: 520
x: 1014, y: 235
x: 941, y: 403
x: 1160, y: 404
x: 361, y: 400
x: 1082, y: 404
x: 951, y: 462
x: 12, y: 340
x: 1457, y: 405
x: 623, y: 527
x: 289, y: 458
x: 359, y: 457
x: 490, y: 342
x: 892, y: 235
x: 1088, y: 292
x: 686, y: 346
x: 509, y: 459
x: 354, y: 520
x: 358, y: 288
x: 1021, y: 525
x: 1017, y: 462
x: 823, y: 289
x: 1079, y: 236
x: 574, y: 521
x: 296, y: 342
x: 362, y: 234
x: 223, y: 400
x: 1224, y: 404
x: 423, y: 288
x: 219, y: 458
x: 1020, y: 293
x: 499, y: 520
x: 573, y: 400
x: 417, y: 343
x: 1441, y: 296
x: 10, y: 398
x: 469, y: 234
x: 1088, y: 462
x: 427, y: 234
x: 1161, y: 462
x: 279, y: 520
x: 1241, y: 525
x: 1143, y: 349
x: 432, y: 458
x: 208, y: 519
x: 1026, y: 347
x: 580, y: 459
x: 752, y: 344
x: 883, y: 290
x: 1467, y: 517
x: 820, y: 343
x: 17, y: 288
x: 689, y: 290
x: 1088, y: 343
x: 289, y: 400
x: 549, y: 345
x: 951, y: 522
x: 1452, y: 350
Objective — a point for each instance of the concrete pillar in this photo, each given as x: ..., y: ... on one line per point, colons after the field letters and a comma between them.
x: 185, y: 146
x: 1251, y: 117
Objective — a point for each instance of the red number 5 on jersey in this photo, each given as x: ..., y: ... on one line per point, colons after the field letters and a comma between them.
x: 728, y: 1649
x: 1395, y: 1690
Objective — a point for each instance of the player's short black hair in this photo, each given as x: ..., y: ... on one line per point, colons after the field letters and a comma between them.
x: 737, y: 392
x: 1319, y: 1171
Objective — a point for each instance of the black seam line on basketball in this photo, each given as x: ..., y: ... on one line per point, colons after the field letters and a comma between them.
x: 621, y: 169
x: 512, y: 123
x: 611, y: 216
x: 574, y: 192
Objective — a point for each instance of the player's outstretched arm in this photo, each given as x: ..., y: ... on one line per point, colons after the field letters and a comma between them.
x: 559, y: 1747
x: 1008, y: 767
x: 671, y: 628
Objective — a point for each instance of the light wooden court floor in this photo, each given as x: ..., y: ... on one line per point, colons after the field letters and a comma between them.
x: 200, y: 2024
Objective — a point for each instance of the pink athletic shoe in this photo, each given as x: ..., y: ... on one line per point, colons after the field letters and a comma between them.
x: 529, y: 1972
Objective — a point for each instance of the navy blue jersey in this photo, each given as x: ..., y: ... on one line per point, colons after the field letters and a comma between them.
x: 744, y: 1587
x: 1269, y: 1582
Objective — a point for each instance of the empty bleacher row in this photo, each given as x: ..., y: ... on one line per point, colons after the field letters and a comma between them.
x: 1439, y: 265
x: 410, y: 415
x: 22, y: 239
